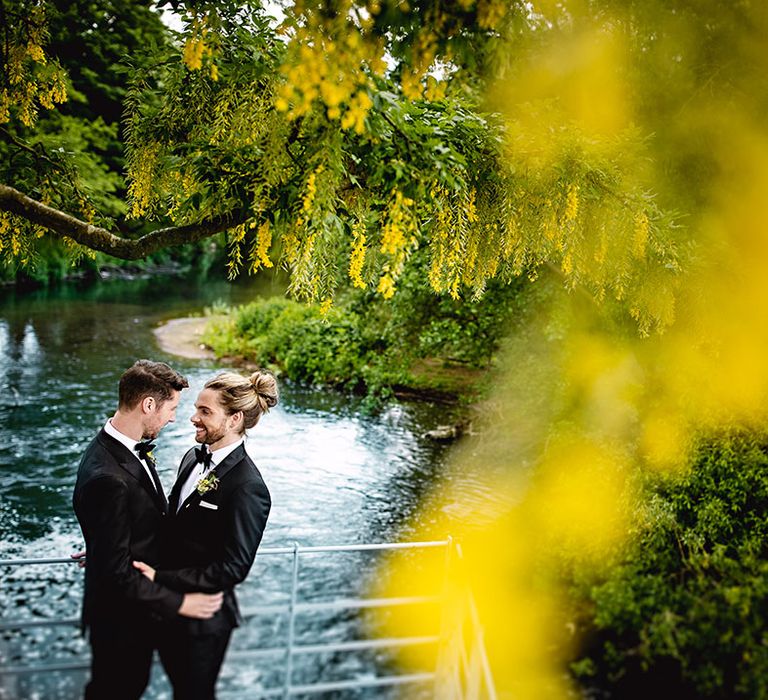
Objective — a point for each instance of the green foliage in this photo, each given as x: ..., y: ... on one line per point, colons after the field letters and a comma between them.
x: 366, y: 344
x: 350, y: 134
x: 302, y: 344
x: 685, y: 610
x: 73, y: 157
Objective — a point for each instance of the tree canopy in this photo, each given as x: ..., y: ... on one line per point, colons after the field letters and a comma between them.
x: 340, y: 137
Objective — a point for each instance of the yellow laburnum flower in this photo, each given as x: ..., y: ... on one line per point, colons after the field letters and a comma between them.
x: 59, y: 88
x: 15, y: 65
x: 311, y: 191
x: 5, y: 112
x: 260, y: 252
x: 640, y: 238
x: 572, y: 203
x: 291, y: 245
x: 400, y: 222
x: 331, y: 93
x: 35, y: 52
x: 470, y: 210
x: 140, y: 190
x: 435, y: 90
x: 325, y: 306
x: 567, y: 264
x: 386, y: 286
x: 357, y: 257
x: 193, y: 53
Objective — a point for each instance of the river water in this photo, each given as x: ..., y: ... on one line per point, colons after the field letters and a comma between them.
x: 336, y: 474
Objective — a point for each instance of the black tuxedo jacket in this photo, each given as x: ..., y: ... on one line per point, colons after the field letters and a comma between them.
x: 122, y: 518
x: 213, y: 538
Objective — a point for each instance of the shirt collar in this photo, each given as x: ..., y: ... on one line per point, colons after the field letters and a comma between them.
x: 110, y: 430
x: 218, y: 456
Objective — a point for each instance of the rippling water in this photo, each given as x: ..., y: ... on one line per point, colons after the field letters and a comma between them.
x: 335, y: 474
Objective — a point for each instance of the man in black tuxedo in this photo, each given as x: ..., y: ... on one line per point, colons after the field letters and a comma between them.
x: 218, y: 510
x: 121, y: 507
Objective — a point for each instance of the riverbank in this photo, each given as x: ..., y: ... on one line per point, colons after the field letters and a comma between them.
x: 430, y: 380
x: 184, y: 337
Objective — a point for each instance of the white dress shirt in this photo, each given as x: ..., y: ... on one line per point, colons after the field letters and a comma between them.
x: 217, y: 457
x: 130, y: 443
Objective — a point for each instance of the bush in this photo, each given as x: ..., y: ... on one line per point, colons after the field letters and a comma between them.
x: 686, y: 613
x: 369, y: 345
x: 306, y: 346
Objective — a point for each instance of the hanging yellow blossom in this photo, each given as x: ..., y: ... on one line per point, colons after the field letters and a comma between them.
x: 291, y: 245
x: 640, y: 237
x: 325, y: 307
x: 567, y: 264
x: 386, y: 286
x: 260, y: 250
x: 311, y: 191
x: 35, y: 52
x: 357, y: 257
x: 197, y: 46
x: 330, y: 61
x: 572, y: 203
x: 400, y: 223
x: 142, y: 176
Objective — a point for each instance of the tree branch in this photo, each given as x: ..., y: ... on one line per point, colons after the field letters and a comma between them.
x: 97, y: 238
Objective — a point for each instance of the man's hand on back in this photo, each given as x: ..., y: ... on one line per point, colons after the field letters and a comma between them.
x: 201, y: 606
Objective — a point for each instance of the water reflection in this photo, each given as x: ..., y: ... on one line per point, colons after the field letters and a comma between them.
x: 335, y: 475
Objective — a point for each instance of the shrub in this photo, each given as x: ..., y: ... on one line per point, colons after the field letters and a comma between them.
x: 370, y: 345
x: 686, y: 612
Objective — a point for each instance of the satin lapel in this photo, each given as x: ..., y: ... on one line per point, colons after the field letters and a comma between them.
x: 188, y: 463
x: 131, y: 464
x: 232, y: 459
x: 220, y: 470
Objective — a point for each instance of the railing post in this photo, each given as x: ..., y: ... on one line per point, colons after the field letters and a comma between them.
x: 291, y: 619
x: 447, y: 622
x: 479, y: 640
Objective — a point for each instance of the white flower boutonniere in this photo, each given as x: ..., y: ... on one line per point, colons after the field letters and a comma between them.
x: 208, y: 483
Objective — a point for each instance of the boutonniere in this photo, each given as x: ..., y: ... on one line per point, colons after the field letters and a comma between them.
x: 210, y: 482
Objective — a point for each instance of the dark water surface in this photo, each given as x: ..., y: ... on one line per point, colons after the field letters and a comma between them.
x: 335, y: 474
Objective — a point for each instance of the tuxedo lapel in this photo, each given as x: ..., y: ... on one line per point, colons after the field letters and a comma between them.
x: 130, y: 463
x: 220, y: 470
x: 232, y: 459
x: 188, y: 463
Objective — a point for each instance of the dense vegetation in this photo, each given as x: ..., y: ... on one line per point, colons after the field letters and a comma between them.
x: 340, y: 139
x: 435, y: 347
x: 685, y: 612
x: 78, y: 148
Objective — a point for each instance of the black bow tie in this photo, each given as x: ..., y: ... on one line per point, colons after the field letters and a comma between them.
x: 144, y: 448
x: 203, y: 456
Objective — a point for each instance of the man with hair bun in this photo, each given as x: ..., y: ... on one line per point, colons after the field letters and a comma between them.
x: 218, y: 510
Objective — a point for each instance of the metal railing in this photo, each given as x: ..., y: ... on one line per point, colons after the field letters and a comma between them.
x: 461, y: 673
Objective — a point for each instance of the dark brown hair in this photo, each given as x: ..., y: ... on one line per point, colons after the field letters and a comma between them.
x: 147, y: 378
x: 252, y: 395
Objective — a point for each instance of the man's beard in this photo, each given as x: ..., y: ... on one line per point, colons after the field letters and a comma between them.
x: 212, y: 435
